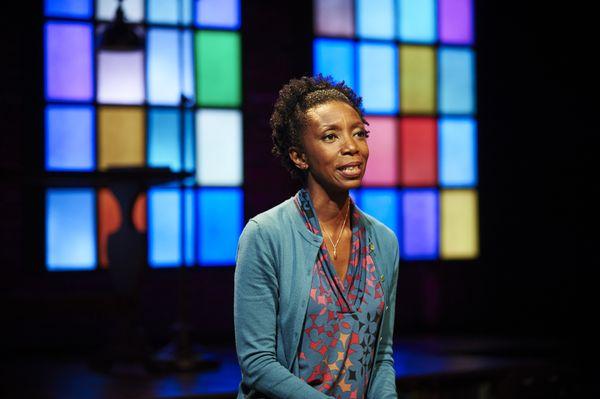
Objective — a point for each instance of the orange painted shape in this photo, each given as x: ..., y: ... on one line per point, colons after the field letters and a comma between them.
x: 109, y: 221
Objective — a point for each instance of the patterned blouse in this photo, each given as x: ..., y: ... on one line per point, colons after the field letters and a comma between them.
x: 342, y: 320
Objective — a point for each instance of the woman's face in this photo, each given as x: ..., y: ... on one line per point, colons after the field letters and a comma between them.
x: 335, y: 149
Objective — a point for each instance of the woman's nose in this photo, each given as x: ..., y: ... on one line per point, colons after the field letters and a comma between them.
x: 349, y: 146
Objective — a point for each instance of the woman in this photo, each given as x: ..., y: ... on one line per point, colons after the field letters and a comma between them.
x: 315, y: 280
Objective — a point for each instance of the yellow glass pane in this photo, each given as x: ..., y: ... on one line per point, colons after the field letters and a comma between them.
x: 417, y: 79
x: 121, y: 139
x: 459, y: 224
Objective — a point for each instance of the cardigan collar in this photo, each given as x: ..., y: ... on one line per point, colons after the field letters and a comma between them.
x: 315, y: 239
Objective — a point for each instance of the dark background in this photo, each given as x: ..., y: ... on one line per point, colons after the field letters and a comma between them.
x: 525, y: 283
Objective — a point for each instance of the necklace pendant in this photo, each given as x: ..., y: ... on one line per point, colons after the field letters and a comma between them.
x: 335, y: 253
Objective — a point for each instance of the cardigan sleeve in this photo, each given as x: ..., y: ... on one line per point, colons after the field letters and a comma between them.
x: 255, y: 317
x: 383, y: 385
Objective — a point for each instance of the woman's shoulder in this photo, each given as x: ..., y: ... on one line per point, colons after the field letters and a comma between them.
x: 269, y: 221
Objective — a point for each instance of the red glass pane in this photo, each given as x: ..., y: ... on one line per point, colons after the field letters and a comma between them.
x: 418, y: 151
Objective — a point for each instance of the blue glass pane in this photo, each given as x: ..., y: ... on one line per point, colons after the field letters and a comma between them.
x: 164, y: 227
x: 355, y: 195
x: 190, y: 226
x: 417, y: 21
x: 336, y: 58
x: 68, y: 61
x: 189, y: 161
x: 420, y: 223
x: 70, y: 229
x: 70, y: 138
x: 163, y: 138
x: 218, y: 13
x: 456, y: 81
x: 375, y: 19
x: 378, y: 77
x: 68, y: 8
x: 221, y: 217
x: 457, y: 152
x: 383, y: 204
x: 169, y: 12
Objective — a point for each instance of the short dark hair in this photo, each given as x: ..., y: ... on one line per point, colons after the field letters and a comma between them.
x: 289, y: 113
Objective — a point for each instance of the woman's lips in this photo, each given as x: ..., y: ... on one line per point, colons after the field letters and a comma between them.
x: 351, y: 171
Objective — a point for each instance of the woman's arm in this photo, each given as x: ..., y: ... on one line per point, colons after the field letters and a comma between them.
x: 255, y: 317
x: 383, y: 385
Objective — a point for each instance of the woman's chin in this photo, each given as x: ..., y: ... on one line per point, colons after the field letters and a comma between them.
x: 352, y: 184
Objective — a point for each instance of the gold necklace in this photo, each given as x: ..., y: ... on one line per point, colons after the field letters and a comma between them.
x: 339, y: 235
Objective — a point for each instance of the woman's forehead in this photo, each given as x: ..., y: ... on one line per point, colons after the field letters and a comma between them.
x: 333, y: 112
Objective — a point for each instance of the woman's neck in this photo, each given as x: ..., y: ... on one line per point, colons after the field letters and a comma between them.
x: 328, y: 205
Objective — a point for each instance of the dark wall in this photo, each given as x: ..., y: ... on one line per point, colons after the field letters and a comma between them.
x: 524, y: 283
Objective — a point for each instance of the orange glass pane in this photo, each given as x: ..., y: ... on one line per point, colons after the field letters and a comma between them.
x: 121, y: 138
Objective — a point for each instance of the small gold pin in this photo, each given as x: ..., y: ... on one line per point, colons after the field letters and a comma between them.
x: 382, y: 278
x: 371, y: 247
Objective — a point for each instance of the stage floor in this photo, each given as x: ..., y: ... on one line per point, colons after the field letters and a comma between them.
x: 425, y: 367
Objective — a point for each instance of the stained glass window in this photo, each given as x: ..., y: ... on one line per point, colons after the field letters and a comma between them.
x: 413, y: 63
x: 107, y: 108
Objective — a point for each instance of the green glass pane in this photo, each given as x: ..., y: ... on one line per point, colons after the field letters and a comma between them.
x: 218, y: 69
x: 417, y: 79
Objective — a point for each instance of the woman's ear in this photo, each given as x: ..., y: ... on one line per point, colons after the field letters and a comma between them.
x: 298, y: 158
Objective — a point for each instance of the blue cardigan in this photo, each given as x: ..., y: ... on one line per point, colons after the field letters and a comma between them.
x: 275, y: 258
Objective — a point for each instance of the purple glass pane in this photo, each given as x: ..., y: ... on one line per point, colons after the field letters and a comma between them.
x: 68, y: 61
x: 334, y: 17
x: 456, y: 21
x: 218, y: 13
x: 419, y: 224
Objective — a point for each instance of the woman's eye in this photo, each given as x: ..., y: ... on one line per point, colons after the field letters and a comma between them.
x: 363, y: 133
x: 329, y: 137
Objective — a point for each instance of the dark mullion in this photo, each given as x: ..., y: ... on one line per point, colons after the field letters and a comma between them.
x: 95, y: 50
x: 195, y: 108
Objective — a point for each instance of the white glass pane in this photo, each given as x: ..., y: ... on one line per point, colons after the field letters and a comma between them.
x: 219, y: 147
x: 163, y: 66
x: 133, y: 10
x: 121, y: 77
x: 188, y: 65
x: 164, y: 84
